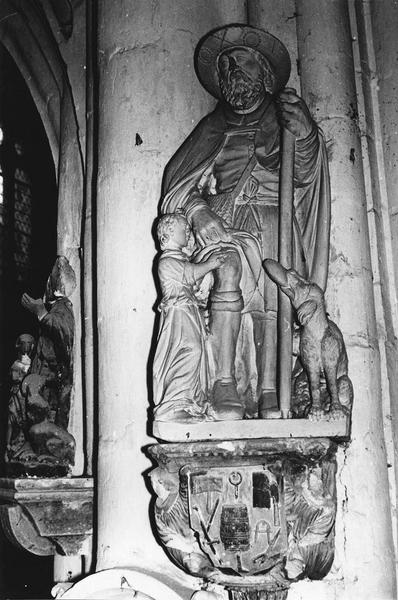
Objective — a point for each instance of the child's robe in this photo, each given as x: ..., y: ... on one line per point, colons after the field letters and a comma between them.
x: 180, y: 370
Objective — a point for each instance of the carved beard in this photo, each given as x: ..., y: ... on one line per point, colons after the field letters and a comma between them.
x: 240, y: 90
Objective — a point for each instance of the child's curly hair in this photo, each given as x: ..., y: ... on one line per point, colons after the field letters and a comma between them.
x: 165, y: 226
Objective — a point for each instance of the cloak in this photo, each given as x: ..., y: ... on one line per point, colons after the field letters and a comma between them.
x: 311, y: 224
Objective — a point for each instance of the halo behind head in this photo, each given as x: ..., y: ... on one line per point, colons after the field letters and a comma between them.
x: 240, y: 36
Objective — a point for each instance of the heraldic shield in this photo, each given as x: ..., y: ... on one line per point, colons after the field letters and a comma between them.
x: 238, y: 514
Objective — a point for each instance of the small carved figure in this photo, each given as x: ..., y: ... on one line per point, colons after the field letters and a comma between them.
x: 18, y: 447
x: 54, y: 353
x: 172, y: 522
x: 180, y: 366
x: 24, y: 345
x: 322, y: 349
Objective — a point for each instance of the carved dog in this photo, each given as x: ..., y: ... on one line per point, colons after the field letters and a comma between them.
x: 322, y: 349
x: 50, y: 442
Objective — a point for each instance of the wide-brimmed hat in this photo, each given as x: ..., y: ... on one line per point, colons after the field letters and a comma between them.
x: 239, y: 36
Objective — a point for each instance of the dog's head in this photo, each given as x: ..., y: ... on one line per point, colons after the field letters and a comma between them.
x: 304, y: 295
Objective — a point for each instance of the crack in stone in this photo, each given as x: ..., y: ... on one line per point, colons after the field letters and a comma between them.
x: 121, y: 50
x: 344, y: 504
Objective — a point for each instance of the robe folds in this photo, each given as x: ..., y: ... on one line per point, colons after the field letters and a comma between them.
x: 311, y: 225
x: 180, y: 368
x: 54, y: 357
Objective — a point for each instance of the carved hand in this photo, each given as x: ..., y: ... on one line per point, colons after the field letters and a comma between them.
x: 208, y: 227
x: 34, y: 306
x: 293, y: 114
x: 216, y: 259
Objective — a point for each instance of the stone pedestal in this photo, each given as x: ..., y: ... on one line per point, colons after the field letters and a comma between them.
x: 251, y: 515
x: 48, y: 516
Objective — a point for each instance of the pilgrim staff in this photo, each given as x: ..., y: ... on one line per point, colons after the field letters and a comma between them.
x: 285, y: 332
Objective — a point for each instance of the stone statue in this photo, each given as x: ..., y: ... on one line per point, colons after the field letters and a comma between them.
x: 322, y: 349
x: 38, y: 441
x: 225, y: 180
x: 181, y: 363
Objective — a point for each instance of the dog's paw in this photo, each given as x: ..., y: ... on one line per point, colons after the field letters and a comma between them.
x: 316, y: 414
x: 336, y: 413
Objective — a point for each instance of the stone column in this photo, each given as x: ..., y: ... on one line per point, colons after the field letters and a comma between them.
x: 379, y: 124
x: 149, y: 100
x: 279, y: 18
x: 364, y: 532
x: 385, y: 22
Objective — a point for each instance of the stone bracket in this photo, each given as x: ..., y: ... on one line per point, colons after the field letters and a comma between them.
x: 251, y: 515
x: 48, y: 516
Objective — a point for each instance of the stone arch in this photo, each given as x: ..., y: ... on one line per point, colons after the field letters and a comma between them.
x: 26, y: 34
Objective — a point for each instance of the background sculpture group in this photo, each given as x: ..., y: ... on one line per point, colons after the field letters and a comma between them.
x: 38, y: 442
x: 217, y: 345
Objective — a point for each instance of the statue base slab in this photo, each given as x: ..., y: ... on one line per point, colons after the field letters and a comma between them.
x: 48, y: 516
x: 252, y: 429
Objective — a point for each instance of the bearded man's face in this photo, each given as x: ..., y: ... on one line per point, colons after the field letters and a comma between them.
x: 241, y: 78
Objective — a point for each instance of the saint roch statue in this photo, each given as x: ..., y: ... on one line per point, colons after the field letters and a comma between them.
x: 225, y: 179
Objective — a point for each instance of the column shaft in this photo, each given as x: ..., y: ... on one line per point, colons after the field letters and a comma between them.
x: 279, y: 18
x: 364, y: 534
x: 385, y: 23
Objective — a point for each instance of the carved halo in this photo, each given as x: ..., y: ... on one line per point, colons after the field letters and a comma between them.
x: 239, y: 36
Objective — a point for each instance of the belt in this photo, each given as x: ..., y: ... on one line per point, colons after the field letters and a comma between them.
x: 259, y: 199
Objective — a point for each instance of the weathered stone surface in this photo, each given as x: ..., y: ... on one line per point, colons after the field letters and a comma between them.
x: 328, y: 82
x: 20, y: 530
x: 48, y: 516
x: 247, y: 451
x: 251, y: 515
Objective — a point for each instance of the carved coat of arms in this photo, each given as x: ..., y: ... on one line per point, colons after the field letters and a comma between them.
x: 238, y: 515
